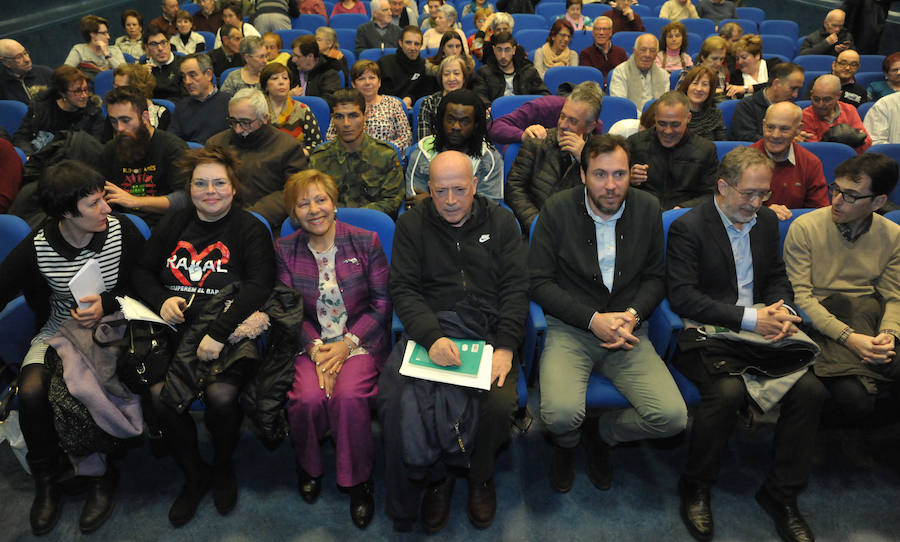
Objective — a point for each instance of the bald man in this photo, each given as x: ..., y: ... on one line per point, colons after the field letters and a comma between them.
x: 19, y: 78
x: 831, y: 39
x: 639, y: 78
x: 458, y: 270
x: 798, y: 181
x: 845, y: 67
x: 827, y: 111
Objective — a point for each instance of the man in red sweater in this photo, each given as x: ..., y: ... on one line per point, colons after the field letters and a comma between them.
x: 798, y: 181
x: 826, y: 111
x: 624, y: 18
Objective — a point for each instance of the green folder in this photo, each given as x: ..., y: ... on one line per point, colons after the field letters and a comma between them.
x: 470, y: 353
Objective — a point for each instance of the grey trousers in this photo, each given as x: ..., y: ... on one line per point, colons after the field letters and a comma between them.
x: 569, y: 357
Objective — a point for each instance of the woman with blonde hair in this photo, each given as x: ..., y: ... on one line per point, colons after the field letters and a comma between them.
x: 140, y: 77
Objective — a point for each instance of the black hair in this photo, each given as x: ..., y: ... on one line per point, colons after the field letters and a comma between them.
x: 63, y: 185
x: 880, y: 168
x: 127, y: 94
x: 479, y: 131
x: 602, y: 144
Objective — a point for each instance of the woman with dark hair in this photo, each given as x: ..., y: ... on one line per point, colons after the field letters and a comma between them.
x: 574, y: 16
x: 556, y: 51
x: 342, y: 273
x: 131, y: 43
x: 454, y: 74
x: 706, y: 118
x: 95, y: 54
x: 451, y: 44
x: 80, y: 228
x: 385, y: 118
x: 67, y: 106
x: 674, y: 56
x: 891, y: 84
x: 191, y: 257
x: 286, y: 113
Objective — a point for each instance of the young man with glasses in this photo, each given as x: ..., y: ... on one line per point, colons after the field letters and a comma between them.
x: 164, y: 64
x: 724, y: 269
x: 19, y: 78
x: 827, y: 111
x: 844, y: 264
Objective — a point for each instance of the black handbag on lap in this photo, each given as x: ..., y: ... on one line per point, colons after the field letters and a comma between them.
x: 146, y: 351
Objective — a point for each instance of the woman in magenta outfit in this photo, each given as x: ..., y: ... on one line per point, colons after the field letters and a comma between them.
x: 342, y: 273
x: 348, y: 6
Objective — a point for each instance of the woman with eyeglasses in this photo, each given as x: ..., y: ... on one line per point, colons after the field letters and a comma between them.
x: 555, y: 52
x: 67, y: 106
x: 95, y: 54
x: 191, y: 257
x: 253, y: 49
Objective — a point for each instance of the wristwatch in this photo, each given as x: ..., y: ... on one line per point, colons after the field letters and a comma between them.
x: 637, y: 316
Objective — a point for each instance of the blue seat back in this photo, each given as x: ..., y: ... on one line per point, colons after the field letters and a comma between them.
x: 785, y: 225
x: 139, y: 224
x: 724, y: 147
x: 749, y: 26
x: 626, y: 40
x: 530, y: 38
x: 781, y: 27
x: 870, y: 63
x: 615, y: 109
x: 814, y: 62
x: 754, y: 14
x: 320, y: 110
x: 375, y: 54
x: 524, y: 21
x: 892, y: 150
x: 11, y: 114
x: 571, y: 74
x: 12, y: 231
x: 209, y: 38
x: 703, y: 27
x: 778, y: 45
x: 654, y: 25
x: 288, y: 36
x: 348, y: 20
x: 367, y: 219
x: 308, y: 21
x: 831, y: 155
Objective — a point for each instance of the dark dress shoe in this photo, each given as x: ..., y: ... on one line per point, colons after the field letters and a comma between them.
x: 599, y: 463
x: 185, y: 505
x: 696, y: 512
x: 787, y: 517
x: 100, y: 501
x: 309, y: 487
x: 482, y: 504
x: 224, y: 488
x: 562, y: 469
x: 362, y: 504
x: 436, y: 504
x: 47, y: 504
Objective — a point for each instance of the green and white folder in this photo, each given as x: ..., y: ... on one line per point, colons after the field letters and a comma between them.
x: 474, y: 372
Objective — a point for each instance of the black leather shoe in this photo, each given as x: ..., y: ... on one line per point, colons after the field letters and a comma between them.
x: 309, y: 487
x: 362, y: 504
x: 696, y: 512
x: 185, y: 505
x: 562, y: 468
x: 224, y: 488
x: 787, y: 517
x: 599, y: 463
x: 482, y: 504
x: 100, y: 501
x: 436, y: 504
x: 47, y: 504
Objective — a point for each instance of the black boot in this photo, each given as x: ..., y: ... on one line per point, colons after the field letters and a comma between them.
x: 47, y: 503
x: 100, y: 500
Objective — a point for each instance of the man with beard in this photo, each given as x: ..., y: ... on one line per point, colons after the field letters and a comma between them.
x: 463, y: 129
x: 403, y: 74
x: 595, y: 301
x: 268, y: 155
x: 725, y: 271
x: 139, y: 161
x: 508, y: 74
x: 164, y: 65
x: 19, y: 78
x: 204, y: 112
x: 367, y: 170
x: 207, y: 18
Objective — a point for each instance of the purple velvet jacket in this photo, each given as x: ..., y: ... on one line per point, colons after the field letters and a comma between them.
x: 362, y: 273
x: 544, y: 111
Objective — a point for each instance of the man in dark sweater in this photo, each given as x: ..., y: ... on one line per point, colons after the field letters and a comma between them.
x: 380, y: 32
x: 18, y: 76
x: 166, y: 20
x: 785, y: 82
x: 602, y: 54
x: 459, y: 262
x: 594, y: 301
x: 316, y: 74
x: 668, y: 161
x: 229, y: 54
x: 164, y: 65
x: 139, y: 163
x: 204, y: 112
x: 207, y: 18
x: 624, y: 18
x: 508, y: 74
x: 831, y: 39
x: 845, y: 67
x: 403, y: 74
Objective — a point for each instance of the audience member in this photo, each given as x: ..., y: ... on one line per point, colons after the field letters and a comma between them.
x: 891, y: 84
x: 272, y: 15
x: 831, y: 39
x: 716, y: 10
x: 593, y: 321
x: 845, y: 67
x: 712, y: 55
x: 348, y: 6
x: 274, y: 46
x: 624, y: 18
x: 785, y: 83
x: 725, y: 270
x: 138, y: 162
x: 10, y: 174
x: 317, y: 74
x: 404, y: 73
x: 882, y: 122
x: 602, y: 54
x: 676, y: 10
x: 454, y: 74
x: 163, y: 65
x: 428, y: 21
x: 675, y: 56
x: 166, y: 20
x: 208, y: 18
x: 326, y: 39
x: 268, y: 155
x: 445, y: 21
x: 66, y: 106
x: 405, y: 12
x: 378, y: 33
x: 253, y: 51
x: 731, y: 32
x: 706, y: 119
x: 574, y: 16
x: 531, y: 120
x: 556, y: 51
x: 229, y: 54
x: 20, y: 80
x: 508, y: 74
x: 669, y: 161
x: 137, y: 76
x: 132, y: 42
x: 798, y: 181
x: 451, y: 44
x: 204, y: 112
x: 484, y: 298
x: 496, y: 23
x: 186, y: 41
x: 285, y: 113
x: 639, y: 78
x: 95, y: 54
x: 829, y: 119
x: 312, y: 7
x: 366, y: 170
x: 462, y: 128
x: 750, y: 73
x: 549, y: 164
x: 232, y: 15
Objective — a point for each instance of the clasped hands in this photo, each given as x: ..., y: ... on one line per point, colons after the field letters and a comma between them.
x: 329, y: 358
x: 776, y: 322
x: 615, y: 329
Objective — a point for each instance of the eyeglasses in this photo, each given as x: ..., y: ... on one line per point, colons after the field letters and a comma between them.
x: 246, y: 124
x: 79, y: 91
x: 823, y: 99
x: 19, y: 57
x: 203, y: 184
x: 845, y: 64
x: 160, y: 43
x: 835, y: 190
x: 750, y: 195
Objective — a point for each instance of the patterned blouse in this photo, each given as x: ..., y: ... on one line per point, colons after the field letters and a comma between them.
x: 298, y: 120
x: 330, y: 309
x: 387, y: 121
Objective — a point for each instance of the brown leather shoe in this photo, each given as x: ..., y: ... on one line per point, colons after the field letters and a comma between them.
x: 436, y: 504
x: 482, y: 504
x: 789, y: 522
x: 696, y: 512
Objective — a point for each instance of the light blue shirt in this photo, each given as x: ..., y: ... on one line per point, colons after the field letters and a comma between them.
x: 743, y: 265
x: 605, y: 231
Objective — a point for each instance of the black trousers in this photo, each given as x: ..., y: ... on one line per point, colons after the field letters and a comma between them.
x: 496, y: 410
x: 722, y: 396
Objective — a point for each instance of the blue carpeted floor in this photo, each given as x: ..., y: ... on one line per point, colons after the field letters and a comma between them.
x: 841, y: 504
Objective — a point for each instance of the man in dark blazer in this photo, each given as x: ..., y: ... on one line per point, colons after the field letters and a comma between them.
x: 723, y: 258
x: 597, y: 269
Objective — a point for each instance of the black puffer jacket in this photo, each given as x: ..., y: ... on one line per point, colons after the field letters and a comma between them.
x: 44, y: 115
x: 489, y: 83
x: 264, y: 396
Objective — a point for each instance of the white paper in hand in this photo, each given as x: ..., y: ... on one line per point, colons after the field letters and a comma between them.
x: 133, y: 309
x: 87, y: 281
